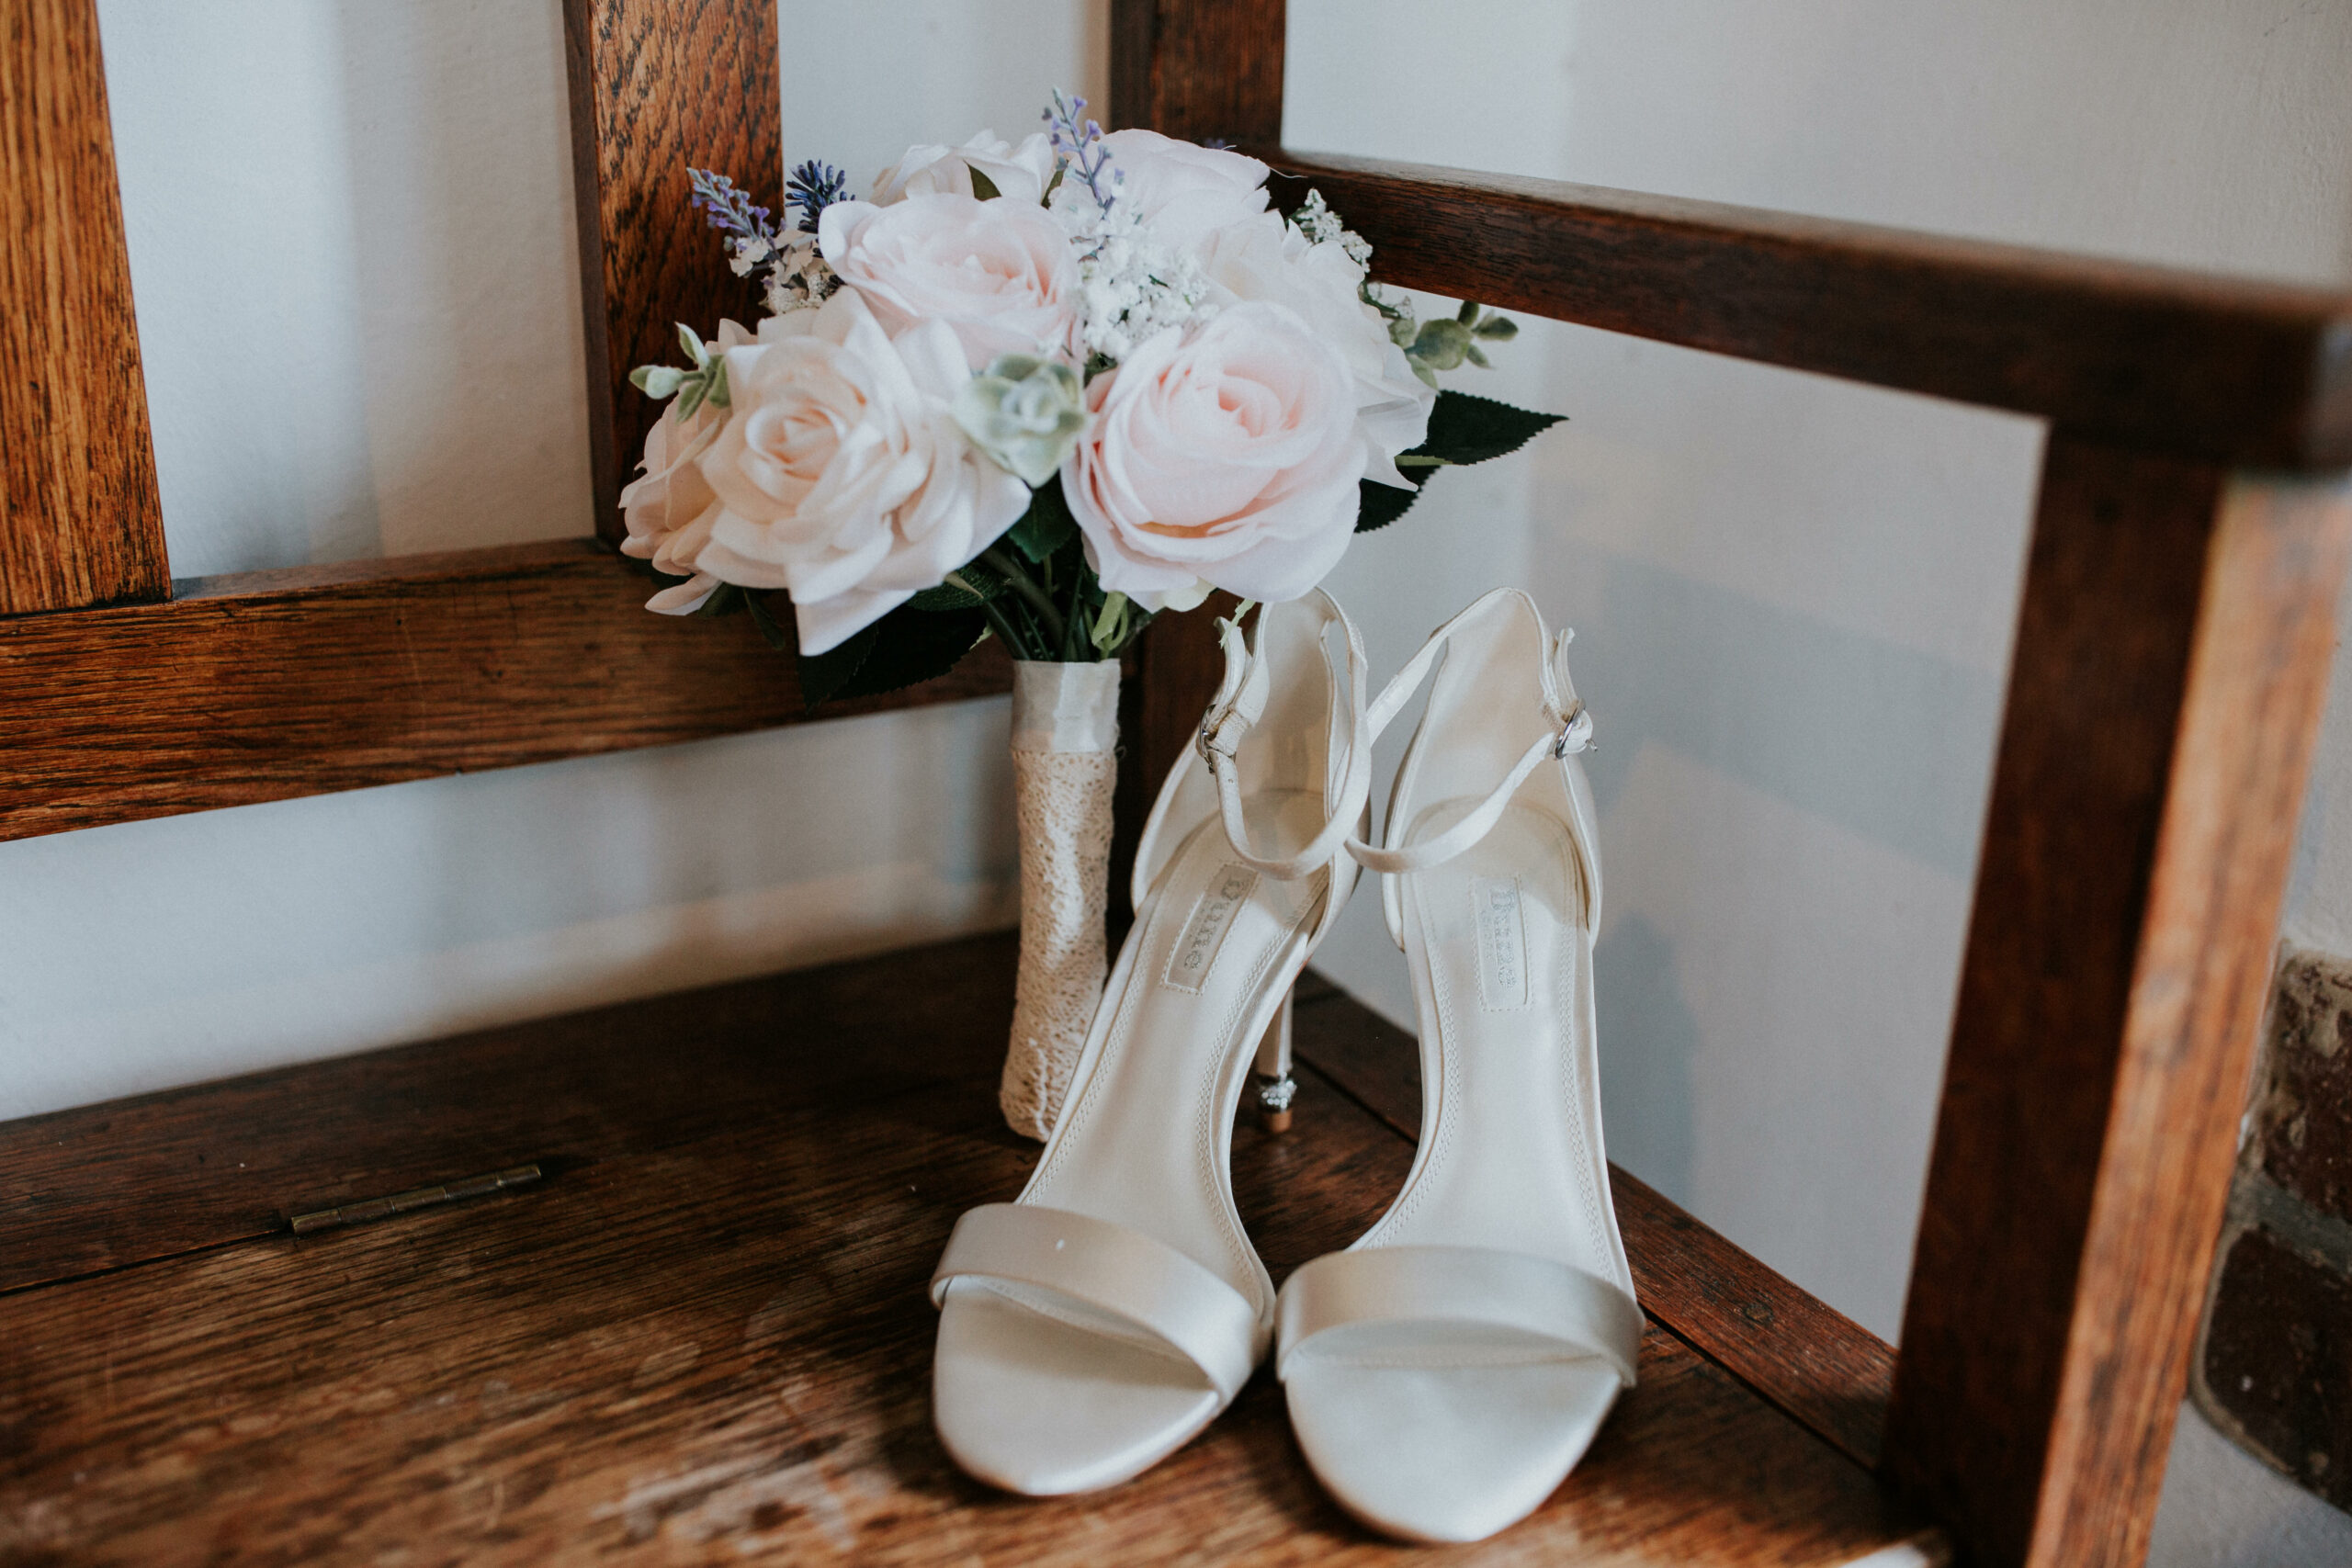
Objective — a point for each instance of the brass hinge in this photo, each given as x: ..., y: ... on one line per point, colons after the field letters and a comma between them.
x: 422, y: 1198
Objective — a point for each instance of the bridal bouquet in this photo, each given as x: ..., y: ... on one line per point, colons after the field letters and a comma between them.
x: 1041, y: 392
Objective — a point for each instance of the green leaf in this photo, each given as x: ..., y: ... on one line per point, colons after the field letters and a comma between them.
x: 823, y: 675
x: 902, y: 648
x: 693, y: 346
x: 1378, y: 505
x: 1465, y: 428
x: 966, y: 588
x: 773, y: 631
x: 1496, y: 329
x: 984, y: 188
x: 1468, y: 314
x: 1046, y: 526
x: 1109, y: 621
x: 724, y: 600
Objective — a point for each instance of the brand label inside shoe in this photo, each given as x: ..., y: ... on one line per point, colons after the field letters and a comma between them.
x: 1502, y: 942
x: 1204, y: 932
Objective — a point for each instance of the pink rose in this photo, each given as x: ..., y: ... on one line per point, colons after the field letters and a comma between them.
x: 1268, y: 258
x: 1186, y: 192
x: 668, y: 509
x: 841, y: 473
x: 1000, y: 273
x: 1020, y: 173
x: 1224, y: 451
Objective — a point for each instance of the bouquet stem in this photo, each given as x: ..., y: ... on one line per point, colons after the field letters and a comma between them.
x: 1065, y: 767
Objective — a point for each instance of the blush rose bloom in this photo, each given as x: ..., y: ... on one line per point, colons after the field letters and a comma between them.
x: 1019, y: 173
x: 999, y: 274
x: 1268, y: 258
x: 668, y: 509
x: 1225, y: 453
x: 840, y: 473
x: 1186, y: 192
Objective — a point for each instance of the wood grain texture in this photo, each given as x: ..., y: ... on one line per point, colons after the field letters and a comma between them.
x: 80, y: 522
x: 710, y: 1341
x: 2229, y: 370
x: 1814, y: 1362
x: 2172, y: 653
x: 267, y: 685
x: 1198, y: 69
x: 215, y: 1163
x: 658, y: 86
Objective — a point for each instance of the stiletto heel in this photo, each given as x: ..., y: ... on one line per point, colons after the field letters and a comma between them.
x: 1275, y: 1086
x: 1092, y: 1325
x: 1449, y: 1369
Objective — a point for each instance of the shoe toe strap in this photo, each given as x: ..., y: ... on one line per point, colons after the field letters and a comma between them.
x: 1135, y: 1278
x: 1476, y: 1287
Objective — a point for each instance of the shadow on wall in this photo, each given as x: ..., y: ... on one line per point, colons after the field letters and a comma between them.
x: 460, y: 180
x: 1649, y: 1048
x: 352, y: 245
x: 1889, y: 742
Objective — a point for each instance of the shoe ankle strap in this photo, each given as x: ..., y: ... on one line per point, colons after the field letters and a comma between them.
x: 1240, y: 702
x: 1571, y: 734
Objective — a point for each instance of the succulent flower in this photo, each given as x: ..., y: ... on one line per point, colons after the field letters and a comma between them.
x: 1025, y: 412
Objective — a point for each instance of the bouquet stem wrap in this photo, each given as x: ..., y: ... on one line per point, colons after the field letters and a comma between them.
x: 1064, y: 733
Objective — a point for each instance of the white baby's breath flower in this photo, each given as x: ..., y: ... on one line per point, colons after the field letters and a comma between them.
x: 1322, y: 226
x: 1131, y: 286
x: 800, y: 281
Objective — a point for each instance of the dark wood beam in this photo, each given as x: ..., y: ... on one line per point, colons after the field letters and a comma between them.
x: 658, y: 86
x: 79, y: 519
x: 266, y: 686
x: 2171, y: 662
x: 2232, y: 371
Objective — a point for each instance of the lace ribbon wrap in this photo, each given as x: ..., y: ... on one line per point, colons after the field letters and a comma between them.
x: 1065, y: 765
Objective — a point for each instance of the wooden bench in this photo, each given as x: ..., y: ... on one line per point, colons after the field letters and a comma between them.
x: 698, y: 1332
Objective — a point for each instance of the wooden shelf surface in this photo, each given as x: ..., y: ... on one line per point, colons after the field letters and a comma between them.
x: 703, y: 1336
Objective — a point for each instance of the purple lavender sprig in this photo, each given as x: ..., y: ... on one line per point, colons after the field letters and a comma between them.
x: 814, y: 187
x: 1078, y: 145
x: 728, y: 207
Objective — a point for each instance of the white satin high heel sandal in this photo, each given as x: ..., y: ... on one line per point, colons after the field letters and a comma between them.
x: 1098, y: 1322
x: 1447, y: 1370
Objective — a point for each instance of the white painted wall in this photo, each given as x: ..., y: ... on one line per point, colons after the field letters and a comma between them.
x: 351, y: 237
x: 350, y: 227
x: 1794, y: 597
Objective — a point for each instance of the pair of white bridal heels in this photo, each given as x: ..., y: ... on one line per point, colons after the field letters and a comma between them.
x: 1450, y: 1368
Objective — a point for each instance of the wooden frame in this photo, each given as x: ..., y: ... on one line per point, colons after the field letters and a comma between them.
x: 2171, y: 657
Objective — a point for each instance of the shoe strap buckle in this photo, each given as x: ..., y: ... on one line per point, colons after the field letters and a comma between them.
x: 1576, y: 730
x: 1220, y: 734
